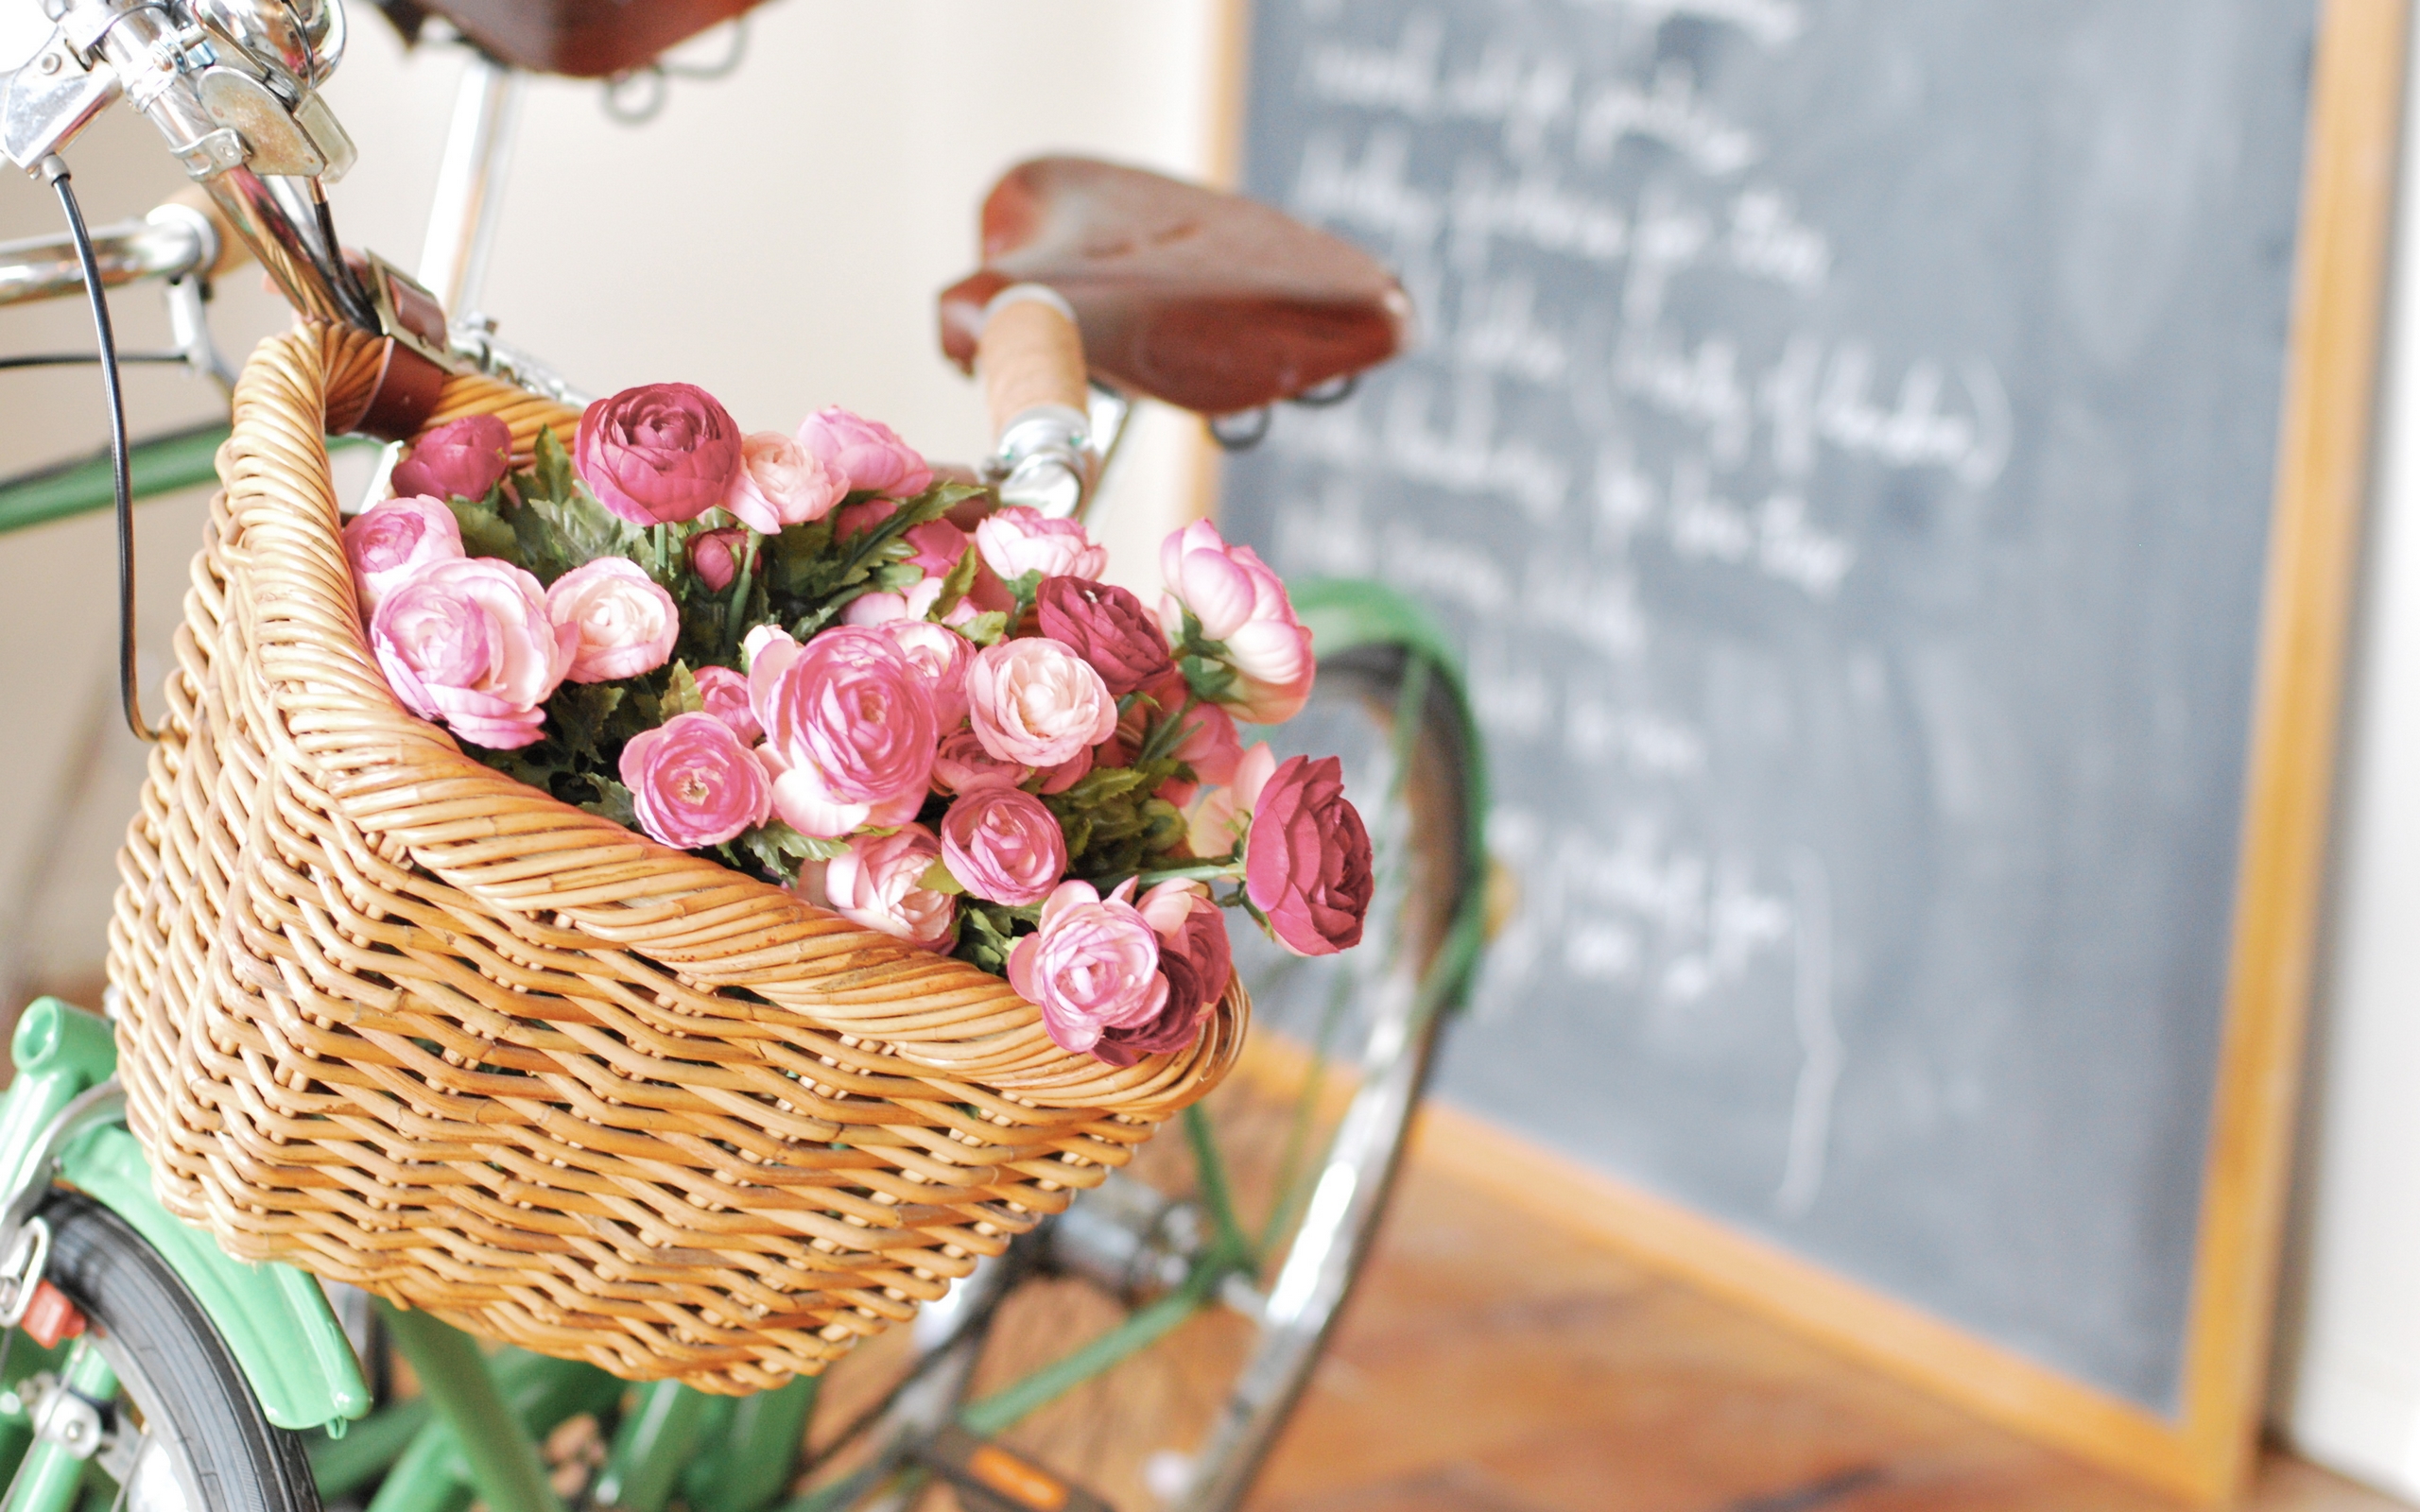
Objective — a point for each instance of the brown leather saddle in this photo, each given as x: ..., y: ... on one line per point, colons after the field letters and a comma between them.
x: 584, y: 39
x: 1205, y: 299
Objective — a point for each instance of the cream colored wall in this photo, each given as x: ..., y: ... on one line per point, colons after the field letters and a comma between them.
x: 777, y: 237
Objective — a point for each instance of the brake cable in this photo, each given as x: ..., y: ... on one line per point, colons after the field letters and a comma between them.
x: 54, y: 172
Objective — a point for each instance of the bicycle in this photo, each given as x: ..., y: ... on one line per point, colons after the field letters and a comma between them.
x: 1143, y: 1349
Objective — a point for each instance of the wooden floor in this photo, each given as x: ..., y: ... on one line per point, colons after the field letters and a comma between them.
x: 1568, y: 1380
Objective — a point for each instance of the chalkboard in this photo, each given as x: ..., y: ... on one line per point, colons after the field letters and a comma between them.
x: 1845, y: 441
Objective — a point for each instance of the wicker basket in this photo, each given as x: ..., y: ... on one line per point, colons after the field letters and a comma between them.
x: 389, y: 1016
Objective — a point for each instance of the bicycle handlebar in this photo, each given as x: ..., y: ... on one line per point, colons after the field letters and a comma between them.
x: 1030, y: 358
x: 183, y: 236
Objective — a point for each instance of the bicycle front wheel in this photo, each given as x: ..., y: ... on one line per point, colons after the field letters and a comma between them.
x: 1149, y: 1345
x: 180, y: 1430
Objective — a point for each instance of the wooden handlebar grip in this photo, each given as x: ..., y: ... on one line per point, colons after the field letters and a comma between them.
x: 1030, y: 355
x: 232, y: 252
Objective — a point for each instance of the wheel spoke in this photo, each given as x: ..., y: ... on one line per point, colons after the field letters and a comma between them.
x: 1212, y: 1172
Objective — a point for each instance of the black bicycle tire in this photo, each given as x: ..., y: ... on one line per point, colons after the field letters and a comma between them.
x: 239, y: 1460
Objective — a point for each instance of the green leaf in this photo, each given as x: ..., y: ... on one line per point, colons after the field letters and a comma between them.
x: 937, y: 878
x: 484, y: 531
x: 895, y: 576
x: 580, y: 714
x: 985, y: 629
x: 1026, y: 586
x: 985, y: 935
x: 960, y: 582
x: 614, y: 803
x: 1211, y: 682
x: 681, y: 695
x: 552, y: 468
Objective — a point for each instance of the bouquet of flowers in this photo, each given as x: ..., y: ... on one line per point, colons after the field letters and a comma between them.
x: 803, y: 656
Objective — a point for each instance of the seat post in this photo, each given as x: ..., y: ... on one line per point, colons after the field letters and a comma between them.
x: 470, y: 184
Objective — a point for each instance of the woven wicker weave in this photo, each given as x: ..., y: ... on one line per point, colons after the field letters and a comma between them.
x: 392, y: 1017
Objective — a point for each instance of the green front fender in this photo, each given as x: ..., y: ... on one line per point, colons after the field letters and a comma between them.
x: 1346, y: 613
x: 275, y: 1319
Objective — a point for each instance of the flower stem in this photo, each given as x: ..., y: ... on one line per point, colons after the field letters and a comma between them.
x: 1167, y: 735
x: 739, y: 589
x: 1208, y: 872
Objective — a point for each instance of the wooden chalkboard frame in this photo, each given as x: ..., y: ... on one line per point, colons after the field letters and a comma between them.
x: 2350, y: 160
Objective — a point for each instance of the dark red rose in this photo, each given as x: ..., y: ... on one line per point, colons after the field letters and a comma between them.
x: 1307, y: 863
x: 464, y: 457
x: 1198, y: 963
x: 658, y: 454
x: 1108, y: 626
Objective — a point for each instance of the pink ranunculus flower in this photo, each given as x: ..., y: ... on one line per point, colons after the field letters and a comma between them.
x: 1035, y: 702
x: 1106, y: 625
x: 848, y: 728
x: 464, y: 457
x: 388, y: 542
x: 624, y: 619
x: 944, y: 657
x: 780, y: 483
x: 880, y: 884
x: 658, y: 454
x: 1237, y: 599
x: 961, y: 766
x: 1017, y: 541
x: 694, y: 784
x: 1220, y: 816
x: 469, y: 642
x: 715, y: 556
x: 864, y: 455
x: 1002, y: 845
x: 726, y: 696
x: 1307, y: 862
x: 1094, y: 966
x: 1197, y: 960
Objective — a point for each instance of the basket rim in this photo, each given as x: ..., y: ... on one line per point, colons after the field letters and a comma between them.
x: 517, y: 851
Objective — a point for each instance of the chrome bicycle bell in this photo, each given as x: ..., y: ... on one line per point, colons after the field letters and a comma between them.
x: 293, y: 44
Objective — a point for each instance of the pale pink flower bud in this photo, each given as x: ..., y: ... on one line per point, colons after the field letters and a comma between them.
x: 388, y: 542
x: 694, y: 784
x: 1037, y: 703
x: 1237, y: 599
x: 625, y: 621
x: 864, y: 454
x: 1017, y: 541
x: 469, y: 642
x: 1004, y: 846
x: 726, y: 696
x: 1219, y: 819
x: 879, y: 883
x: 961, y: 766
x: 1094, y: 966
x: 944, y: 657
x: 780, y: 483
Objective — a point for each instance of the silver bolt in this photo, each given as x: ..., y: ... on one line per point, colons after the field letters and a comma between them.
x: 50, y: 62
